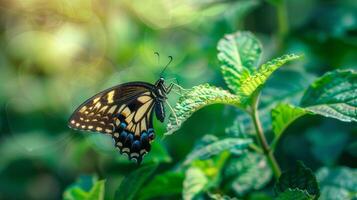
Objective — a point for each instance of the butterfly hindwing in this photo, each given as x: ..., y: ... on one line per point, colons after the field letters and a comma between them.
x: 124, y: 112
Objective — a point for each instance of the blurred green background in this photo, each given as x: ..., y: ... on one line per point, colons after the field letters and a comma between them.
x: 55, y: 54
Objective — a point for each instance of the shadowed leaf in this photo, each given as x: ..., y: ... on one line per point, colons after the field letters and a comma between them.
x: 301, y: 178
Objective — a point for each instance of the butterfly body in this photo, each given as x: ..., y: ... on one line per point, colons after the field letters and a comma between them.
x: 125, y: 112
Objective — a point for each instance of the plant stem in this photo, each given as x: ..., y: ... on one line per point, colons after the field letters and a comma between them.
x: 262, y: 140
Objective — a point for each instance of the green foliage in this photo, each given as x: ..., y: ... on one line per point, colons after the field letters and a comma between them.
x: 283, y: 115
x: 337, y: 183
x: 301, y: 178
x: 169, y: 183
x: 248, y: 172
x: 234, y: 145
x: 100, y: 47
x: 333, y: 95
x: 194, y: 183
x: 133, y: 182
x: 86, y: 187
x: 196, y: 98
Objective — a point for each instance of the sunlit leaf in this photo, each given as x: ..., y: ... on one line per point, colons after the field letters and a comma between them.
x: 239, y: 51
x: 166, y: 184
x: 133, y: 182
x: 295, y: 194
x: 235, y: 145
x: 248, y: 172
x: 333, y: 95
x: 196, y: 98
x: 194, y: 183
x: 251, y: 81
x: 283, y: 115
x: 87, y: 187
x: 337, y: 183
x: 299, y: 178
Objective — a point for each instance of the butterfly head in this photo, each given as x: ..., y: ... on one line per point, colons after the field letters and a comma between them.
x: 161, y: 89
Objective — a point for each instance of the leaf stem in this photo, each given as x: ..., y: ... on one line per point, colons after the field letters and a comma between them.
x: 261, y: 138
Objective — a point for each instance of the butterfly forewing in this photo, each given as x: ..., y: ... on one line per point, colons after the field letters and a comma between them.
x: 124, y: 112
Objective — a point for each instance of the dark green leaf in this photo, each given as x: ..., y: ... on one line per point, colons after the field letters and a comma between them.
x: 333, y: 95
x: 133, y: 182
x: 299, y: 178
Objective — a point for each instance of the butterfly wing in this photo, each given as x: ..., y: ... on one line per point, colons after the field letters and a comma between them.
x: 124, y: 112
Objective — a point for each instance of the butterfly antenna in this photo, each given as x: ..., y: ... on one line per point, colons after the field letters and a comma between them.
x: 170, y: 57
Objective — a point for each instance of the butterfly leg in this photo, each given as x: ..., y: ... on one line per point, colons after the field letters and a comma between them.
x: 169, y: 88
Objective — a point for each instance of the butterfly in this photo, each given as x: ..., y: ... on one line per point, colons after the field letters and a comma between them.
x: 126, y: 113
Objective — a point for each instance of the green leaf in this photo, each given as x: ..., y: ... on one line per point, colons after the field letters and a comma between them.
x: 337, y: 183
x: 248, y: 172
x: 196, y: 98
x: 283, y: 115
x: 240, y: 50
x: 333, y: 95
x: 299, y: 178
x: 295, y: 194
x: 166, y: 184
x: 86, y: 187
x: 237, y: 53
x: 134, y: 181
x: 251, y: 81
x: 234, y: 145
x: 231, y: 77
x: 194, y: 183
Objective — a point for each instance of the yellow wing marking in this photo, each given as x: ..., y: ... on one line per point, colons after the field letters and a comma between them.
x: 126, y: 112
x: 142, y: 111
x: 144, y: 99
x: 83, y: 109
x: 110, y: 96
x: 96, y: 100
